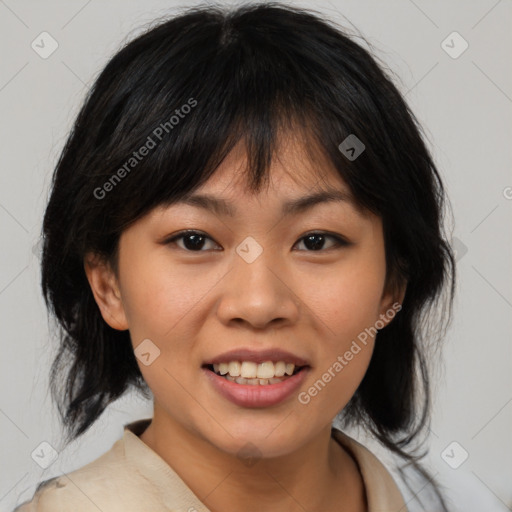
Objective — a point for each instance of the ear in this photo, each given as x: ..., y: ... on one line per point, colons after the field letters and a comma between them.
x: 105, y: 288
x: 391, y: 301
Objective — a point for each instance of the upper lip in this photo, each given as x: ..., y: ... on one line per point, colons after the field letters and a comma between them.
x: 258, y: 356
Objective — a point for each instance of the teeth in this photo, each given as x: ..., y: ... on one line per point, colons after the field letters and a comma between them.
x: 246, y: 371
x: 265, y: 370
x: 253, y: 382
x: 249, y: 370
x: 234, y: 368
x: 279, y: 368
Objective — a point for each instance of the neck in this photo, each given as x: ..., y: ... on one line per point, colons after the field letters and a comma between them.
x: 320, y: 475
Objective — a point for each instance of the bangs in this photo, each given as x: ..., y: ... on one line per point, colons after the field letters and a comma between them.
x: 189, y: 106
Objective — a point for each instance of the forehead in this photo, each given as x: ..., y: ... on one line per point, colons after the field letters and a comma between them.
x: 294, y: 170
x: 298, y: 178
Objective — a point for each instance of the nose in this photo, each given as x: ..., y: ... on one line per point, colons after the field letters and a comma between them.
x: 258, y: 293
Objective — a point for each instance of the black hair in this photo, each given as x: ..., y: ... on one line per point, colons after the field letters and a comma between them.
x: 188, y: 89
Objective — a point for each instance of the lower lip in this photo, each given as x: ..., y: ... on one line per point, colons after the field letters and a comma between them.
x: 264, y: 395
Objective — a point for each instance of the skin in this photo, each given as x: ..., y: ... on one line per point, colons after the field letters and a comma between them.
x: 194, y: 305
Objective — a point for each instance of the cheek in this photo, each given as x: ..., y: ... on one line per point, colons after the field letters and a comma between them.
x: 348, y: 302
x: 338, y: 372
x: 160, y: 303
x: 168, y: 307
x: 334, y: 380
x: 157, y: 298
x: 347, y: 307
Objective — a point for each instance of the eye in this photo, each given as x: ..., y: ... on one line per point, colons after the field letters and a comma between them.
x: 194, y: 241
x: 315, y: 241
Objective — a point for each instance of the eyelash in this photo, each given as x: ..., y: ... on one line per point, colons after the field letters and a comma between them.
x: 339, y: 241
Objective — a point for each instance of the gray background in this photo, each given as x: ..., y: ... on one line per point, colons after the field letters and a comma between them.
x: 465, y: 106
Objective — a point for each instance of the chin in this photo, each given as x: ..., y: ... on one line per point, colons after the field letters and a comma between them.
x: 264, y: 439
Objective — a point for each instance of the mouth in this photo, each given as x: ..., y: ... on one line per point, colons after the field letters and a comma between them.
x: 255, y: 374
x: 251, y: 384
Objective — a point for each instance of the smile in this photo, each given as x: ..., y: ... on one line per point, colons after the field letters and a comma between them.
x: 254, y: 391
x: 251, y: 373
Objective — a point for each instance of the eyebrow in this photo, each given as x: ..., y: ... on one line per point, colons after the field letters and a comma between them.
x: 221, y: 206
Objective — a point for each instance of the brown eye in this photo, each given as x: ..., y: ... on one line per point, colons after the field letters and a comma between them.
x: 193, y: 241
x: 315, y: 242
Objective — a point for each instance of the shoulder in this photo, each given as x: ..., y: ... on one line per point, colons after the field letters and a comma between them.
x: 48, y: 496
x: 108, y: 483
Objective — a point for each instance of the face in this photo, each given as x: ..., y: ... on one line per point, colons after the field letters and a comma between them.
x: 308, y: 282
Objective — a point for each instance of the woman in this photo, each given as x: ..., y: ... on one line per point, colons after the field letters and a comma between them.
x: 245, y: 223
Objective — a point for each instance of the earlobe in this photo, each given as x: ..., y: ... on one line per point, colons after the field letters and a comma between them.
x: 105, y: 289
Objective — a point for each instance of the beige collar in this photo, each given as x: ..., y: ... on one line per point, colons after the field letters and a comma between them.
x: 382, y: 492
